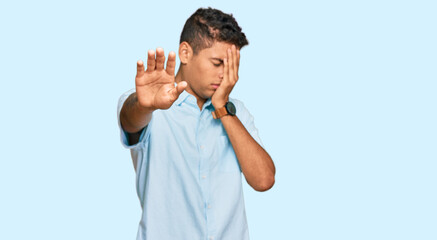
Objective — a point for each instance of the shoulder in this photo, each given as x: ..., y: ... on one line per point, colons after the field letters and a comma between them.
x: 239, y: 105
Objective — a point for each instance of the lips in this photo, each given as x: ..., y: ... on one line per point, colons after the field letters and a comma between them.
x: 215, y: 85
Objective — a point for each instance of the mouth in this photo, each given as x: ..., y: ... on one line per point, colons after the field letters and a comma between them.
x: 215, y: 85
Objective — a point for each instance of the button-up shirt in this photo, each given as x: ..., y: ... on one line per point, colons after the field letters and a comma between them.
x: 188, y: 178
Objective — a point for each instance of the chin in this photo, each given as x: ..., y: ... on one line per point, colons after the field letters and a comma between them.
x: 209, y: 95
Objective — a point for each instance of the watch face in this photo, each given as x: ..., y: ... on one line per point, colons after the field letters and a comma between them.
x: 230, y: 107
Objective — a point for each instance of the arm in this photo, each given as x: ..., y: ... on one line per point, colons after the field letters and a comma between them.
x: 256, y: 164
x: 134, y: 118
x: 154, y: 90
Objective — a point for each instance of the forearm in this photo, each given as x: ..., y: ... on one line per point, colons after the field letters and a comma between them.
x: 133, y: 118
x: 256, y: 164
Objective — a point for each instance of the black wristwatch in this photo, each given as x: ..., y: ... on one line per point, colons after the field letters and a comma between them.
x: 228, y: 109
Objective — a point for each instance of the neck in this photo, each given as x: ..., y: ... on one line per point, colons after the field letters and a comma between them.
x: 180, y: 77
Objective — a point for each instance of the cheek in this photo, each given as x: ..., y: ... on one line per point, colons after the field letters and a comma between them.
x: 208, y: 73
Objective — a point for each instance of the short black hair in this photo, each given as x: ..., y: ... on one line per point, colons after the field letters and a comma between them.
x: 208, y: 25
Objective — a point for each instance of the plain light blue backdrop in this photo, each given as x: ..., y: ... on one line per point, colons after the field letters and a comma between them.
x: 343, y: 94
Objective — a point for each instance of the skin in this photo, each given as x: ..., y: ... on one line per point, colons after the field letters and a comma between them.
x: 211, y: 73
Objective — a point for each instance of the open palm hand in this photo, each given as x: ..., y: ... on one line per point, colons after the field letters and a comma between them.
x: 155, y: 87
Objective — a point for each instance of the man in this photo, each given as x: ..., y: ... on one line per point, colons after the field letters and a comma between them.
x: 189, y: 141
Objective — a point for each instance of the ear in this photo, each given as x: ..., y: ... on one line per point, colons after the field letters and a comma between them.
x: 185, y: 52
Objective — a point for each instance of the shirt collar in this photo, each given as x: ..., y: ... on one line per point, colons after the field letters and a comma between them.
x: 182, y: 97
x: 185, y: 96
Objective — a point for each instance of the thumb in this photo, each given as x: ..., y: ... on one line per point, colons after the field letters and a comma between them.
x: 180, y: 87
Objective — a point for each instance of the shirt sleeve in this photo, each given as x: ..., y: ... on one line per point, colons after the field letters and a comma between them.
x: 124, y: 134
x: 247, y: 120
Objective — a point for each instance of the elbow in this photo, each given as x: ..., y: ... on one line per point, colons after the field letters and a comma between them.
x: 265, y: 185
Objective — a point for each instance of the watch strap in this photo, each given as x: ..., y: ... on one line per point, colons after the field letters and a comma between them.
x: 219, y: 113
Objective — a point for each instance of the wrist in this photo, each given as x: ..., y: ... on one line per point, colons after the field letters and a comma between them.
x: 219, y: 104
x: 227, y: 109
x: 143, y: 109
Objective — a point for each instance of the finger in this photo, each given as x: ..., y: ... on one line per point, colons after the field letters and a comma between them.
x: 234, y: 58
x: 150, y: 61
x: 160, y: 59
x: 171, y: 63
x: 175, y: 92
x: 225, y: 69
x: 140, y: 68
x: 231, y: 66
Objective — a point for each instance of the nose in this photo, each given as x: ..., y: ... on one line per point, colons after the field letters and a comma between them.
x: 221, y: 73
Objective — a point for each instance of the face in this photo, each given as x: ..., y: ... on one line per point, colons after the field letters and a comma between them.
x: 204, y: 71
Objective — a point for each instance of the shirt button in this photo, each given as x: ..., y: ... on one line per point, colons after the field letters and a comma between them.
x: 202, y: 147
x: 203, y: 176
x: 211, y: 238
x: 209, y: 206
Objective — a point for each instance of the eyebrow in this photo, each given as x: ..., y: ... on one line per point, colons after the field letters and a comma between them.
x: 217, y: 59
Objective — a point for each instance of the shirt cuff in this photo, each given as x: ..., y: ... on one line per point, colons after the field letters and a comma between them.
x: 125, y: 139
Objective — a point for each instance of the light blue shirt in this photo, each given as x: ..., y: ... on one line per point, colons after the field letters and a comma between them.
x: 188, y: 179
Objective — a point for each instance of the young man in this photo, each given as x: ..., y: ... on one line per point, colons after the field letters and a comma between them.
x: 190, y: 142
